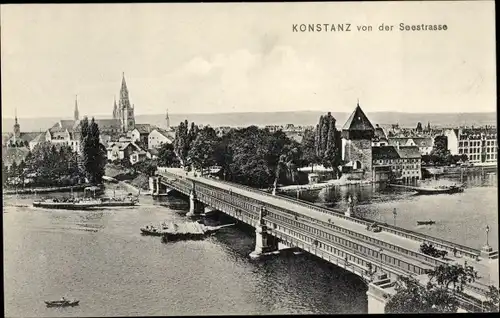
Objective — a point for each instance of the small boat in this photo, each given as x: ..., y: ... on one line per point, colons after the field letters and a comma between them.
x: 440, y: 190
x: 109, y: 179
x: 62, y: 303
x: 426, y: 222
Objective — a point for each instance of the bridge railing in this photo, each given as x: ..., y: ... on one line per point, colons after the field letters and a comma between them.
x: 439, y: 243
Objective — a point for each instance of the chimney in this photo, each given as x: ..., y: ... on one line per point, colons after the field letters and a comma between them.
x: 397, y: 145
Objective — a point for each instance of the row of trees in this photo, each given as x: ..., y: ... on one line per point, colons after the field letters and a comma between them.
x: 439, y: 294
x: 254, y: 156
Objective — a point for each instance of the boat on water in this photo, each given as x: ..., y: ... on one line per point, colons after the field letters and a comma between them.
x: 62, y: 303
x: 426, y: 222
x: 153, y: 230
x: 67, y: 204
x: 439, y: 189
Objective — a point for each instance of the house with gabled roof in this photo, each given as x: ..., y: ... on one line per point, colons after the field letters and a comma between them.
x: 159, y: 136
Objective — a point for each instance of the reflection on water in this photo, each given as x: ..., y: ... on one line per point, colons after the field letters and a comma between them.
x: 460, y: 217
x: 101, y: 258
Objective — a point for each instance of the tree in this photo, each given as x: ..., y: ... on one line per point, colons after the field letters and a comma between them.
x: 93, y: 158
x: 328, y: 142
x: 167, y: 156
x: 412, y: 297
x: 435, y: 296
x: 492, y: 302
x: 453, y: 275
x: 203, y: 147
x: 4, y: 173
x: 309, y: 156
x: 440, y: 154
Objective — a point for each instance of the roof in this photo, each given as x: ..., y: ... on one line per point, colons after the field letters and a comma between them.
x: 153, y: 151
x: 11, y: 154
x: 384, y: 152
x: 123, y: 145
x: 144, y: 128
x: 409, y: 152
x: 358, y: 121
x: 64, y: 124
x: 166, y: 133
x: 27, y: 136
x: 380, y: 133
x: 39, y: 138
x: 423, y: 141
x: 102, y: 123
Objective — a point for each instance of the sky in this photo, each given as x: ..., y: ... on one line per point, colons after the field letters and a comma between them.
x: 241, y: 57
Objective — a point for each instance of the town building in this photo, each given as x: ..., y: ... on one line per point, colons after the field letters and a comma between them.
x: 141, y: 133
x: 119, y: 150
x: 380, y: 137
x: 424, y: 144
x: 159, y: 136
x: 479, y: 144
x: 397, y: 162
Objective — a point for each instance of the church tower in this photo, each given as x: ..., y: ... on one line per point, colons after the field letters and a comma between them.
x: 168, y: 121
x: 76, y: 113
x: 126, y: 110
x: 17, y: 128
x: 115, y: 110
x: 357, y: 135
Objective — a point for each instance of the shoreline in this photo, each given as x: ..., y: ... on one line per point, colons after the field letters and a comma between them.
x: 78, y: 187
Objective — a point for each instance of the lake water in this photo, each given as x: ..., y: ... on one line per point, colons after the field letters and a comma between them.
x: 100, y: 257
x: 461, y: 218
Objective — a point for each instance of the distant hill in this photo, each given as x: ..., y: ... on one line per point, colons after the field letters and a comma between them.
x: 280, y: 118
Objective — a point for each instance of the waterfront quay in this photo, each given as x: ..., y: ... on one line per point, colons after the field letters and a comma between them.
x: 336, y: 236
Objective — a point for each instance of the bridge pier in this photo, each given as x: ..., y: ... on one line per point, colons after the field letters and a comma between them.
x: 378, y: 294
x: 264, y: 243
x: 195, y: 207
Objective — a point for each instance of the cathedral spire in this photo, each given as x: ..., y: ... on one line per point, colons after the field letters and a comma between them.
x: 124, y: 102
x: 76, y: 113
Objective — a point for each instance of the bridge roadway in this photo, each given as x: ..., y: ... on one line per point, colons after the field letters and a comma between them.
x: 331, y: 233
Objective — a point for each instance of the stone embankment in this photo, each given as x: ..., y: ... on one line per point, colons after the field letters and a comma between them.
x: 78, y: 187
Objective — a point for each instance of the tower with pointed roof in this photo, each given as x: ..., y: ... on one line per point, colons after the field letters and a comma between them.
x: 126, y: 110
x: 168, y: 120
x: 115, y: 110
x: 76, y: 114
x: 17, y: 128
x: 357, y: 136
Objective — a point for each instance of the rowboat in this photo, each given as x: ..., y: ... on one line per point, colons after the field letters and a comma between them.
x: 426, y: 222
x: 62, y: 303
x: 439, y: 190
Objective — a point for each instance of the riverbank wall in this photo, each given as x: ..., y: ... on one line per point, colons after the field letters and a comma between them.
x: 78, y: 187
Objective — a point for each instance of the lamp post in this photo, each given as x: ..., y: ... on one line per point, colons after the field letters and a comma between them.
x: 487, y: 235
x: 395, y: 213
